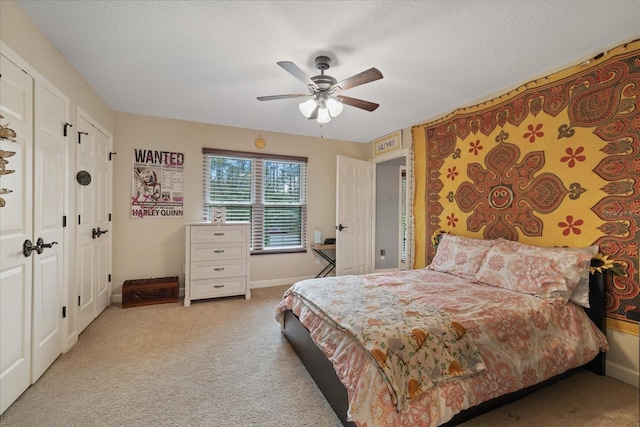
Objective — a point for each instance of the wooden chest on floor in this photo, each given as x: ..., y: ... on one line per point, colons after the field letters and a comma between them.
x: 149, y: 291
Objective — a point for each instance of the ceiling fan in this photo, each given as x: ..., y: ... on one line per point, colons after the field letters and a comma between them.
x: 326, y: 101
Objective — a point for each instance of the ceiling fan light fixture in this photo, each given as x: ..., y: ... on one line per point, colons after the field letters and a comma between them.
x: 335, y: 107
x: 323, y: 115
x: 324, y: 104
x: 307, y: 107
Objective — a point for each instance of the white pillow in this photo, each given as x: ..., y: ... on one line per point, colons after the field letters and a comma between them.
x: 580, y: 295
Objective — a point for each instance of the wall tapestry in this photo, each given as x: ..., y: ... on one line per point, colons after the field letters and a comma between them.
x: 554, y: 162
x: 157, y: 184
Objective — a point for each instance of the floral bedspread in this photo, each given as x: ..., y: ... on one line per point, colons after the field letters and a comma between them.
x: 521, y: 339
x: 415, y: 345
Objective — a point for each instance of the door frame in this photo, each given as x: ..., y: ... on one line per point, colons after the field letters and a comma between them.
x: 406, y: 153
x: 403, y: 206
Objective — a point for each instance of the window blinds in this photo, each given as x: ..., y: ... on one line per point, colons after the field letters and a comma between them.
x: 268, y: 191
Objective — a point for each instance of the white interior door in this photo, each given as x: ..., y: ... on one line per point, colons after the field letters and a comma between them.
x: 87, y: 205
x: 48, y: 210
x: 93, y: 254
x: 16, y: 226
x: 353, y: 216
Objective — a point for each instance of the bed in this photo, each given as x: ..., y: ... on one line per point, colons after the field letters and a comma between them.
x: 486, y: 323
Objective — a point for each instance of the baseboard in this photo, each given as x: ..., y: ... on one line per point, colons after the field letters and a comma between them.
x: 117, y: 298
x: 623, y: 374
x: 277, y: 282
x: 71, y: 341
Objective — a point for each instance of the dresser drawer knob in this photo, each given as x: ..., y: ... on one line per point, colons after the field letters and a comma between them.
x: 218, y: 286
x: 219, y: 269
x: 218, y: 251
x: 218, y: 234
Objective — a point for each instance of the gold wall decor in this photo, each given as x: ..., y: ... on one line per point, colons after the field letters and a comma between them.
x: 387, y: 144
x: 554, y: 162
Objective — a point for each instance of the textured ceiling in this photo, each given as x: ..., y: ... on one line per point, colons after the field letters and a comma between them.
x: 207, y: 61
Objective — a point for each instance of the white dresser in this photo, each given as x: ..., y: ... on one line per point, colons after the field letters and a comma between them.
x: 217, y: 261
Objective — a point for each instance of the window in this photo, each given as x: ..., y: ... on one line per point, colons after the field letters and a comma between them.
x: 270, y: 191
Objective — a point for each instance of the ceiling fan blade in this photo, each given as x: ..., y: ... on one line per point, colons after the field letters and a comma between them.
x: 314, y: 113
x: 292, y: 95
x: 296, y: 72
x: 358, y: 103
x: 368, y: 76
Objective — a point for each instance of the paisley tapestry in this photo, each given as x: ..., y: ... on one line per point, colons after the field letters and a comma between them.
x: 555, y: 162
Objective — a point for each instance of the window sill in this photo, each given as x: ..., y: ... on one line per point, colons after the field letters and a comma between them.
x: 279, y: 251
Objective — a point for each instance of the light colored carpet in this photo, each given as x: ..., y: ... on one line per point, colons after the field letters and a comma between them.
x: 225, y: 363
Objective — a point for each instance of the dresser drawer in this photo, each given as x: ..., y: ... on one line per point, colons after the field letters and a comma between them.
x: 212, y: 288
x: 218, y: 234
x: 210, y: 252
x: 216, y: 260
x: 212, y: 269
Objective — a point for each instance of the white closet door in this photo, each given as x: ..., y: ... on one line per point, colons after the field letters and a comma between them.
x: 86, y: 197
x: 48, y: 211
x: 16, y: 226
x: 93, y: 246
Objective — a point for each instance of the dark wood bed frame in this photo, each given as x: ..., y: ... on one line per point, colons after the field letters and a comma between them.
x: 323, y: 373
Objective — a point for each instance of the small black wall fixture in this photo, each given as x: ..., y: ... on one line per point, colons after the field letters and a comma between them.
x: 80, y: 136
x: 83, y: 178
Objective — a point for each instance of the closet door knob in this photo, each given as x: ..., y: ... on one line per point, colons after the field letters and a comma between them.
x: 96, y: 232
x: 41, y: 245
x: 27, y: 248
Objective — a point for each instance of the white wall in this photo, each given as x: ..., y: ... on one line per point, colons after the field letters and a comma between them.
x: 151, y: 247
x: 24, y: 38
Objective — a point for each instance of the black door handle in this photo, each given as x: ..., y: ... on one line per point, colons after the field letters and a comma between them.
x: 41, y: 245
x: 341, y: 227
x: 96, y: 232
x: 27, y: 246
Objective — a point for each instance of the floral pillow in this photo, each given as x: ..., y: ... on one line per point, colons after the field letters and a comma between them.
x: 548, y: 273
x: 460, y: 256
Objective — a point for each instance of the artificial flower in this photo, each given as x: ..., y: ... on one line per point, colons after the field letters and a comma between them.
x: 436, y: 236
x: 601, y: 262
